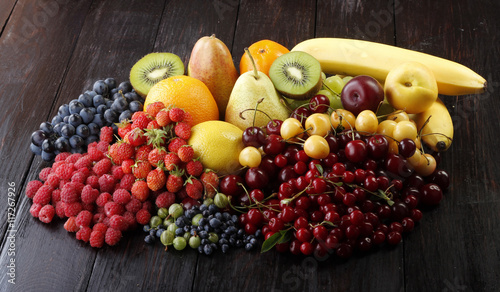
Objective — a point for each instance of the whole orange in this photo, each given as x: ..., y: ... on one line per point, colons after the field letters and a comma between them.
x: 187, y: 93
x: 264, y: 53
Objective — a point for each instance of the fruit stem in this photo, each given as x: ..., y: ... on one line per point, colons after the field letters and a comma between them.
x: 253, y: 64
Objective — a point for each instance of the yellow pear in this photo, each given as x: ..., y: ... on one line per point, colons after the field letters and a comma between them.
x: 212, y: 63
x: 252, y: 90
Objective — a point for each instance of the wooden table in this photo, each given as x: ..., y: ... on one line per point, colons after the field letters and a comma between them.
x: 53, y: 50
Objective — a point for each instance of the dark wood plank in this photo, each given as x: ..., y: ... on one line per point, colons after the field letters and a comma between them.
x: 456, y: 246
x: 30, y: 80
x: 6, y: 8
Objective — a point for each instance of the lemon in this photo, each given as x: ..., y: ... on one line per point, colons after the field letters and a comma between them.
x: 218, y: 145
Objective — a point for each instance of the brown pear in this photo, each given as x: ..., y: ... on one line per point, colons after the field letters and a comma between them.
x: 212, y: 63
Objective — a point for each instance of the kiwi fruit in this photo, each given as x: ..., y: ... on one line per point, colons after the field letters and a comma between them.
x: 153, y: 68
x: 296, y: 75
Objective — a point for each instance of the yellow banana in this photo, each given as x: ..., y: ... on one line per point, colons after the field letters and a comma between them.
x: 437, y: 133
x: 356, y: 57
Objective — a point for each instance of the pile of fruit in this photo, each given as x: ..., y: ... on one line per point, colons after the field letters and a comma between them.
x: 306, y: 151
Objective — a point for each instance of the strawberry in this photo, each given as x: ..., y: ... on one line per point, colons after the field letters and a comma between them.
x: 141, y: 169
x: 127, y: 165
x: 123, y: 128
x: 136, y: 137
x: 182, y: 130
x: 210, y: 182
x: 140, y: 121
x: 156, y: 137
x: 156, y: 155
x: 153, y: 108
x: 175, y: 181
x: 175, y: 144
x: 156, y: 179
x: 143, y: 152
x: 171, y: 161
x: 194, y: 168
x: 153, y: 125
x: 185, y: 153
x: 140, y: 190
x: 176, y: 114
x: 162, y: 118
x: 194, y: 188
x: 121, y: 151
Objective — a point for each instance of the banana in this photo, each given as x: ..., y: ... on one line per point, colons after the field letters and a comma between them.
x: 356, y: 57
x: 437, y: 133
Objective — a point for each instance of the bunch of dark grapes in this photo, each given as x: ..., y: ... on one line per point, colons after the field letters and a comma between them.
x: 78, y: 123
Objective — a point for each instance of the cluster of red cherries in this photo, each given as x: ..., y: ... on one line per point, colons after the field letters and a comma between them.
x: 359, y: 197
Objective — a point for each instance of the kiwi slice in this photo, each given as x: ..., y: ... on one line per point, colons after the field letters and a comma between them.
x: 296, y: 75
x: 153, y: 68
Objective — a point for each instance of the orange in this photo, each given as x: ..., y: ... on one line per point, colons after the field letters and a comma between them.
x: 264, y: 53
x: 187, y: 93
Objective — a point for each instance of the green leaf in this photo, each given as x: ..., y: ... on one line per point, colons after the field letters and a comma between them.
x: 278, y: 237
x: 319, y: 168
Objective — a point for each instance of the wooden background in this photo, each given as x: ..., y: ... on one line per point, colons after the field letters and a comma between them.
x: 53, y: 50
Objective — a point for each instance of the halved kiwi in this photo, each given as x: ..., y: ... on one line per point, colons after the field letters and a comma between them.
x: 296, y: 75
x: 153, y: 68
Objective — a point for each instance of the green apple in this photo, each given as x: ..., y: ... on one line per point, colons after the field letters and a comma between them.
x: 411, y: 87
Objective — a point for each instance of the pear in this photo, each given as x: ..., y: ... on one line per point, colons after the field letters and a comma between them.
x: 254, y: 101
x: 212, y: 63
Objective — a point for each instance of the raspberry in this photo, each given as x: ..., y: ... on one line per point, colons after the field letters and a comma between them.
x: 117, y: 172
x: 140, y: 190
x: 56, y: 196
x: 69, y: 193
x: 63, y: 182
x: 175, y: 144
x: 32, y: 187
x: 44, y: 173
x: 84, y: 218
x: 89, y: 194
x: 73, y: 158
x: 100, y: 227
x: 65, y: 171
x: 121, y: 196
x: 93, y: 181
x: 113, y: 208
x: 62, y: 156
x: 163, y: 118
x: 194, y: 188
x: 102, y: 167
x: 60, y: 207
x: 98, y: 218
x: 79, y: 177
x: 88, y: 207
x: 183, y: 130
x: 194, y: 168
x: 70, y: 225
x: 106, y: 134
x: 97, y: 238
x: 112, y: 236
x: 106, y: 183
x: 165, y: 199
x: 102, y: 146
x: 103, y: 198
x: 143, y: 217
x: 171, y: 161
x: 83, y: 162
x: 35, y: 210
x: 84, y: 234
x: 94, y: 154
x: 118, y: 222
x: 133, y: 206
x: 52, y: 180
x: 141, y: 169
x: 46, y: 213
x: 148, y: 205
x: 176, y: 114
x: 43, y: 195
x: 185, y: 153
x: 72, y: 209
x: 153, y: 108
x: 129, y: 217
x: 78, y: 187
x: 127, y: 181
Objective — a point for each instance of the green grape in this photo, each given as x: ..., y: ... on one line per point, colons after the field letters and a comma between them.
x: 347, y: 79
x: 168, y: 221
x: 155, y: 221
x: 295, y: 103
x: 335, y: 83
x: 179, y: 243
x: 172, y: 227
x: 213, y: 237
x: 194, y: 241
x: 335, y: 102
x: 220, y: 200
x: 167, y: 237
x: 196, y: 219
x: 163, y: 213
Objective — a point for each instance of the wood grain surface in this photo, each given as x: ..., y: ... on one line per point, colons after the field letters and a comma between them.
x: 53, y: 50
